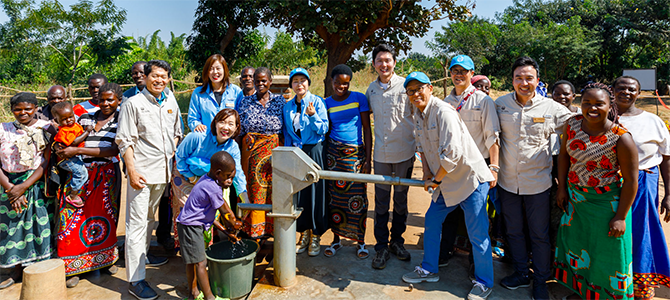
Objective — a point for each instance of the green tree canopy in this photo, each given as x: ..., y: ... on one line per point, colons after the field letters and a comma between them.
x: 342, y: 27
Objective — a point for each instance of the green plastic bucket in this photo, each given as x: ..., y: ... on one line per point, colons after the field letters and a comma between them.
x: 231, y: 274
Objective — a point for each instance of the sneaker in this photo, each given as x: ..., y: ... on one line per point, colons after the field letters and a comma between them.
x: 479, y: 291
x: 379, y: 262
x: 515, y: 281
x: 142, y: 291
x: 399, y: 250
x: 443, y: 262
x: 155, y: 261
x: 420, y: 275
x: 303, y: 242
x: 540, y: 291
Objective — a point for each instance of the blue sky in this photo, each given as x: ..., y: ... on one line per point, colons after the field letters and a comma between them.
x: 146, y: 16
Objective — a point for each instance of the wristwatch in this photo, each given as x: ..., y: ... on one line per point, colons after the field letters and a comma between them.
x: 494, y: 168
x: 435, y: 181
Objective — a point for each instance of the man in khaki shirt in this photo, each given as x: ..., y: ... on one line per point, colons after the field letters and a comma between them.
x: 478, y: 112
x: 527, y: 120
x: 149, y: 129
x: 393, y: 153
x: 456, y: 170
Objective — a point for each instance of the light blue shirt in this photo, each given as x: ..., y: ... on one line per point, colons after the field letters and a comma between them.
x: 203, y: 106
x: 312, y: 128
x: 194, y: 153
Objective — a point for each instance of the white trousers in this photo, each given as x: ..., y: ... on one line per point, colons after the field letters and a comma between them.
x: 141, y: 208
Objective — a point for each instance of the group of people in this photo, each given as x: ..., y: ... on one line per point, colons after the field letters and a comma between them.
x: 62, y: 174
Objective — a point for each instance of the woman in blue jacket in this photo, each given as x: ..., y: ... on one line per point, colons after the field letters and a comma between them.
x: 192, y: 160
x: 305, y: 126
x: 215, y: 94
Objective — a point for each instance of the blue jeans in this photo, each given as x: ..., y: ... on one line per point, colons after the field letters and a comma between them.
x: 477, y: 223
x: 79, y: 172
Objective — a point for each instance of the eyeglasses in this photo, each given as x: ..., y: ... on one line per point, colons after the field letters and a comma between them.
x: 419, y: 90
x: 459, y: 72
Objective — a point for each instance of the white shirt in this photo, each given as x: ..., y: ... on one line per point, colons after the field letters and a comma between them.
x: 651, y: 137
x: 445, y: 142
x: 525, y: 160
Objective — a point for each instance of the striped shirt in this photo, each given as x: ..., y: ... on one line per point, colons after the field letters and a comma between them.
x: 86, y: 107
x: 100, y: 139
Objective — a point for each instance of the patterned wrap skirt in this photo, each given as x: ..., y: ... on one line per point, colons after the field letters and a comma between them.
x: 87, y: 236
x: 257, y: 165
x: 587, y: 260
x: 651, y: 264
x: 348, y: 200
x: 25, y: 237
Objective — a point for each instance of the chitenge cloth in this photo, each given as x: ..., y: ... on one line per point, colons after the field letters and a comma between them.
x: 348, y: 199
x: 588, y: 261
x: 180, y: 188
x: 312, y: 199
x: 651, y: 264
x: 257, y: 166
x: 25, y: 237
x: 87, y: 236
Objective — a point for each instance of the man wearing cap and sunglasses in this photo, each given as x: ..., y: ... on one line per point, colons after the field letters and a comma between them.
x: 478, y: 112
x: 455, y: 169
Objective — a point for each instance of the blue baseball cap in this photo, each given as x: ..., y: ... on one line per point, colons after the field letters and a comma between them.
x: 418, y: 76
x: 463, y: 61
x: 298, y: 71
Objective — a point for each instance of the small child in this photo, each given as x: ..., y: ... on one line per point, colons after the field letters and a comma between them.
x: 198, y: 214
x: 71, y: 133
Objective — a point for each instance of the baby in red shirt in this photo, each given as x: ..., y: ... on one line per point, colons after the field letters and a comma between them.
x: 71, y: 133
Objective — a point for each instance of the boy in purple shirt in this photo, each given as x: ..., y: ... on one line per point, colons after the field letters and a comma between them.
x: 198, y: 214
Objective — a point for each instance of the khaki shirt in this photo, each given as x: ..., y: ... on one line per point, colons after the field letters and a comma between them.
x: 525, y: 160
x: 445, y: 142
x: 393, y: 120
x: 479, y: 115
x: 150, y: 129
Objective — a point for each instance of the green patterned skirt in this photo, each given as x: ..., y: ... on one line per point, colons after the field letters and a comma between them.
x: 25, y: 237
x: 588, y: 261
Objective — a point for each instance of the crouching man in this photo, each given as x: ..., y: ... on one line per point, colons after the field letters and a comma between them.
x: 455, y: 169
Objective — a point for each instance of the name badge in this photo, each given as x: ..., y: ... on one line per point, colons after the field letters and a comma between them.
x: 538, y: 120
x: 169, y: 111
x: 547, y: 116
x: 231, y: 105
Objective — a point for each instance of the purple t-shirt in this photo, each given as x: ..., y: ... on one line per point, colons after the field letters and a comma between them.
x: 200, y: 208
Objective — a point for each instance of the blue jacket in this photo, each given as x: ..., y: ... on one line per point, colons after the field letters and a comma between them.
x: 313, y: 128
x: 197, y: 148
x: 203, y: 106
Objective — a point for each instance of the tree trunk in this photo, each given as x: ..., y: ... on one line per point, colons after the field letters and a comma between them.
x: 445, y: 67
x: 228, y: 38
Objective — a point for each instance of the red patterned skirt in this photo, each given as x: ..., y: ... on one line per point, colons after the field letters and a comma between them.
x: 86, y: 238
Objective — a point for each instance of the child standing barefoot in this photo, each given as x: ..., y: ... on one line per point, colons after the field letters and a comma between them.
x: 198, y: 215
x: 593, y: 255
x: 71, y: 133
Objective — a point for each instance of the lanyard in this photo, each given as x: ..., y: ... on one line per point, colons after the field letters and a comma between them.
x: 460, y: 105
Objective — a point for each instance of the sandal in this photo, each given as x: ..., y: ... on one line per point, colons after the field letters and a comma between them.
x: 362, y: 253
x: 77, y: 204
x: 7, y: 283
x: 332, y: 249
